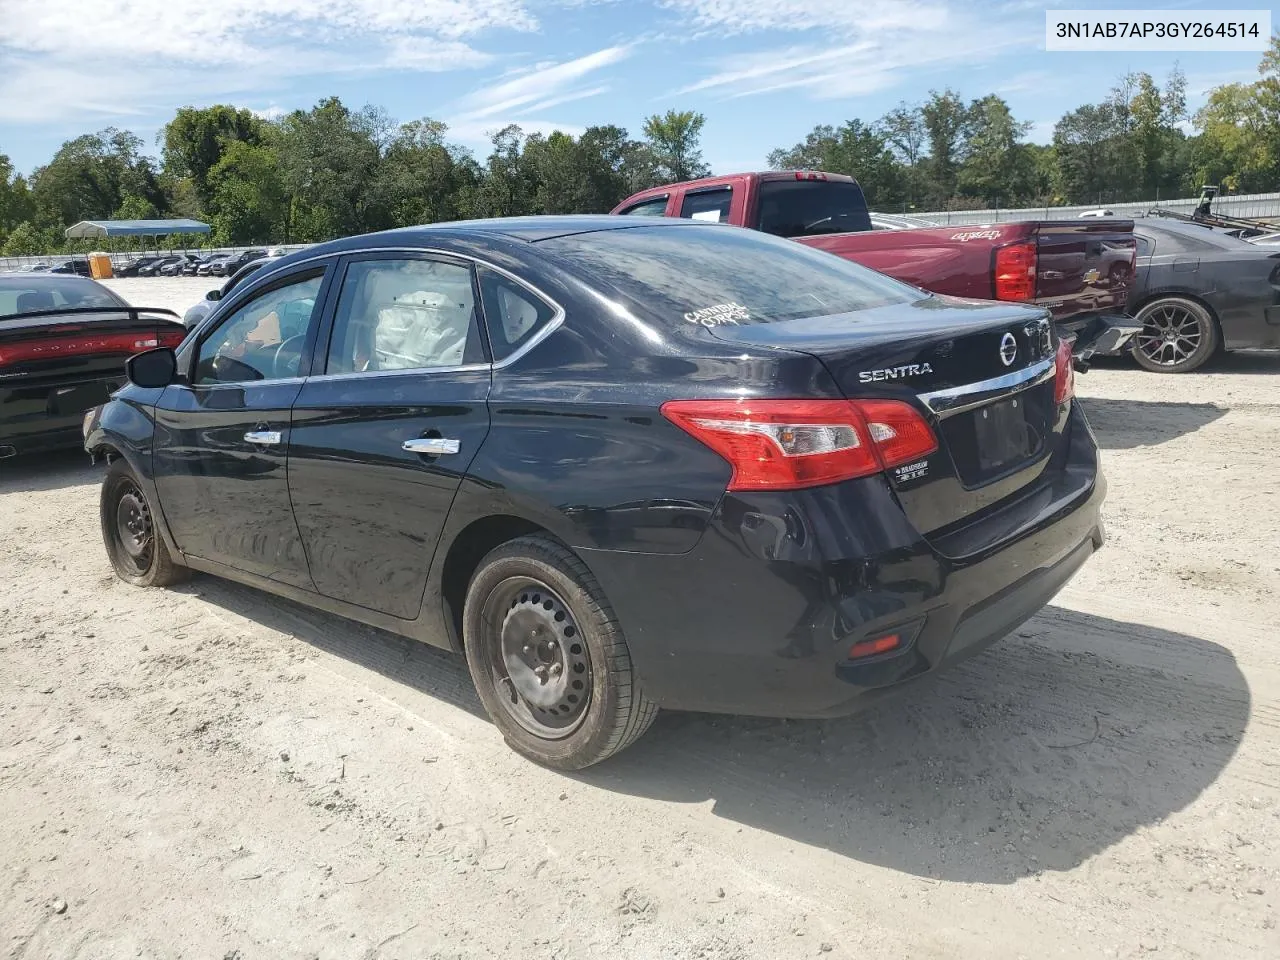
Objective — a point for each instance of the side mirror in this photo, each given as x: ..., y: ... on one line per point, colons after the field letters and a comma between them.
x: 213, y: 295
x: 152, y: 368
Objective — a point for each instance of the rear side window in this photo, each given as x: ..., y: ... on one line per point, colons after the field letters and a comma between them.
x: 710, y: 205
x: 1145, y: 246
x: 809, y: 208
x: 513, y: 313
x: 656, y: 207
x: 709, y: 277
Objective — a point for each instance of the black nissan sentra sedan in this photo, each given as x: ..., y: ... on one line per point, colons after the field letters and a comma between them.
x: 620, y: 465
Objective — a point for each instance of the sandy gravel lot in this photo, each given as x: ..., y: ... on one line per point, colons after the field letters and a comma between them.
x: 209, y: 772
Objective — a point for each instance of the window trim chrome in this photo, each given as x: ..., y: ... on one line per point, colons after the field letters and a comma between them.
x: 952, y: 400
x: 550, y: 327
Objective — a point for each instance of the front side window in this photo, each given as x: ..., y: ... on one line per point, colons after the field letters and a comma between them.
x: 404, y: 315
x: 263, y: 339
x: 656, y: 207
x: 711, y: 205
x: 514, y: 314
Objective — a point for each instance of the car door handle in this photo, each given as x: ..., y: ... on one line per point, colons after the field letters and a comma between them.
x: 263, y: 438
x: 432, y: 446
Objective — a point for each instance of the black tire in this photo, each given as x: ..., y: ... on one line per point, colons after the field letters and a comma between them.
x: 137, y: 552
x: 532, y: 604
x: 1178, y: 335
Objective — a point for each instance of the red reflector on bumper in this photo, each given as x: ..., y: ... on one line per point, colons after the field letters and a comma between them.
x: 868, y: 648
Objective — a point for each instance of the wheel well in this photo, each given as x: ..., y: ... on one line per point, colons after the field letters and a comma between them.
x: 467, y: 550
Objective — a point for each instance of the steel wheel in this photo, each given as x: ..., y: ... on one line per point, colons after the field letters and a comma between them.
x: 548, y: 656
x: 134, y: 546
x: 1177, y: 335
x: 536, y: 657
x: 134, y: 532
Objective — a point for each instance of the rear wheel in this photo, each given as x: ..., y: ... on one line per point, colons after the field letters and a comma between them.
x: 548, y: 657
x: 136, y: 550
x: 1177, y: 336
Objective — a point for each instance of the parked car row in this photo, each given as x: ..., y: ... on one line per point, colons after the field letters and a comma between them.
x: 187, y: 264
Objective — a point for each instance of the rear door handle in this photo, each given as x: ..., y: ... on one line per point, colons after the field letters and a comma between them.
x: 263, y: 438
x: 432, y: 446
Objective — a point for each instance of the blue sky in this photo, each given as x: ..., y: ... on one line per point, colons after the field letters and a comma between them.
x: 763, y: 71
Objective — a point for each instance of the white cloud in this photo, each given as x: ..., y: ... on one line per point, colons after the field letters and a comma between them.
x: 839, y: 16
x: 545, y: 84
x: 519, y: 97
x: 67, y: 58
x: 876, y: 54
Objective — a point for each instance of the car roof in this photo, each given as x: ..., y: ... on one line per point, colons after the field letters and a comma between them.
x: 508, y: 229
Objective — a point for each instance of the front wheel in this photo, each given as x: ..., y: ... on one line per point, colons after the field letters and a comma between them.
x: 136, y: 550
x: 548, y: 657
x: 1177, y: 336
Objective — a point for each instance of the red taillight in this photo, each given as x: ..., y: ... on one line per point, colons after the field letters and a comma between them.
x: 1015, y: 271
x: 792, y: 444
x: 1064, y: 375
x: 85, y: 344
x: 869, y: 648
x: 810, y: 175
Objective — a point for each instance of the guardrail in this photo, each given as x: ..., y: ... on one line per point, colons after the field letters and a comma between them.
x: 1257, y: 206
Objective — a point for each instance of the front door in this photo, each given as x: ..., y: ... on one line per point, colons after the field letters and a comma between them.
x: 222, y: 438
x: 385, y: 429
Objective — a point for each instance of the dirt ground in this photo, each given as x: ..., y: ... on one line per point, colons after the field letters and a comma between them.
x: 209, y: 772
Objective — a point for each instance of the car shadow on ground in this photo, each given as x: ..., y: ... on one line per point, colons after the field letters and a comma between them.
x: 1126, y: 424
x: 1047, y: 749
x: 439, y: 673
x: 37, y: 472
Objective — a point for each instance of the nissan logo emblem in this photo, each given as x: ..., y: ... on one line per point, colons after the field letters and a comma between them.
x: 1008, y: 349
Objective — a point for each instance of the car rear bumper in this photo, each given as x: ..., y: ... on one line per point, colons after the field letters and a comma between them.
x: 759, y: 618
x: 50, y: 416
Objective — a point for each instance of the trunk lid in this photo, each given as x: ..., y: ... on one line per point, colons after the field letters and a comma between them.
x: 983, y: 374
x: 80, y: 343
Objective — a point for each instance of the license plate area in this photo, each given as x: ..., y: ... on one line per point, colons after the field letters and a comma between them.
x: 991, y: 441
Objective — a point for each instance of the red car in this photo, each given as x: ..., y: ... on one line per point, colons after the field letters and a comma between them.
x: 1080, y: 270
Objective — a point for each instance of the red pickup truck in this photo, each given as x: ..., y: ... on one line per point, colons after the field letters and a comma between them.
x: 1080, y: 270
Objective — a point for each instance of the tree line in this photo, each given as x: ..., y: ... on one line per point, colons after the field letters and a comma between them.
x: 335, y: 171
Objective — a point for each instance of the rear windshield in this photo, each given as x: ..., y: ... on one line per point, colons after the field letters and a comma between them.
x: 807, y: 208
x: 20, y: 295
x: 714, y: 274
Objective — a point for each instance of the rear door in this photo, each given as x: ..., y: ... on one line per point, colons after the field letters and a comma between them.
x: 222, y: 437
x: 386, y: 428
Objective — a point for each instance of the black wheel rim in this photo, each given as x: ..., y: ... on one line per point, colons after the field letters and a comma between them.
x: 537, y: 658
x: 1170, y: 335
x: 133, y: 529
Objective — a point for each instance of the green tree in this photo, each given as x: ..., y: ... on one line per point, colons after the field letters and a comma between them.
x: 423, y: 178
x: 853, y: 149
x: 674, y: 140
x: 194, y: 141
x: 946, y: 120
x: 15, y: 198
x: 329, y: 157
x: 90, y: 176
x: 248, y: 199
x: 998, y: 167
x: 904, y: 134
x: 28, y: 240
